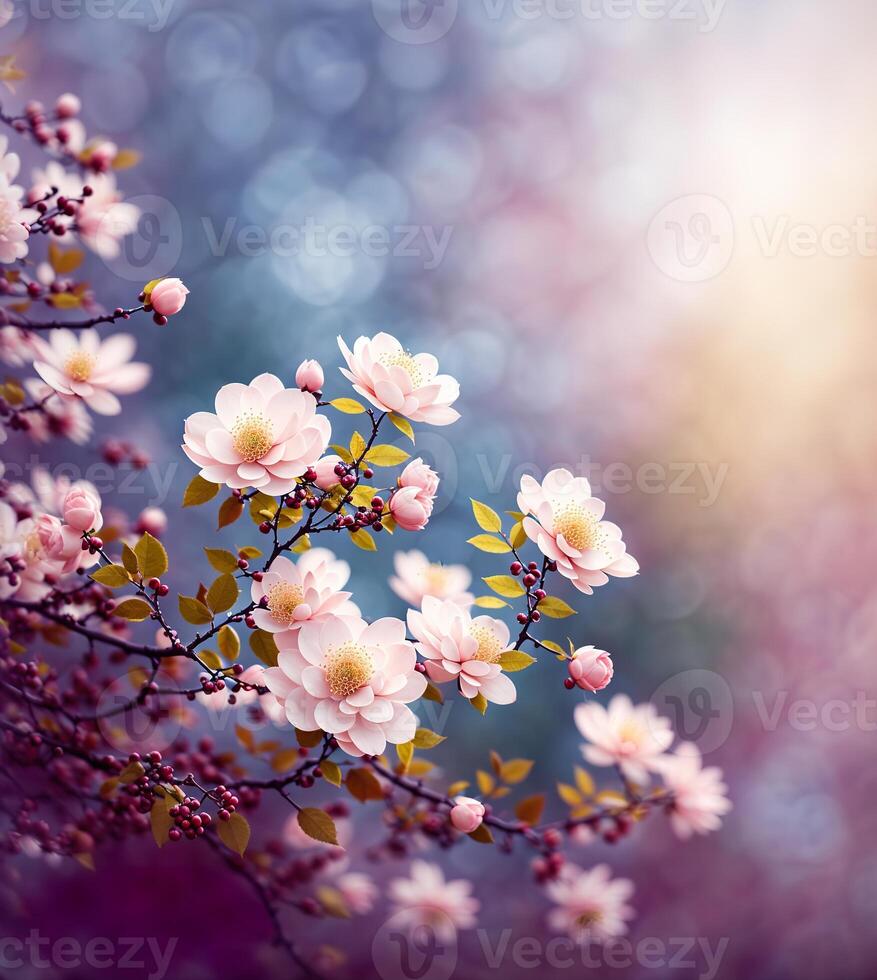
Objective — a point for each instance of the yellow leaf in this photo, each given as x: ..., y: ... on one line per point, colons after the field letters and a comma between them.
x: 221, y: 560
x: 487, y: 518
x: 262, y: 507
x: 125, y: 159
x: 210, y: 659
x: 160, y: 820
x: 584, y: 782
x: 264, y: 647
x: 362, y: 784
x: 357, y: 445
x: 134, y: 610
x: 482, y: 835
x: 514, y: 660
x: 331, y: 772
x: 151, y: 557
x: 113, y: 576
x: 505, y: 585
x: 363, y: 540
x: 426, y: 739
x: 486, y: 542
x: 349, y: 406
x: 285, y: 760
x: 432, y: 693
x: 223, y: 593
x: 386, y: 456
x: 403, y: 425
x: 490, y: 602
x: 568, y: 794
x: 199, y: 491
x: 485, y: 782
x: 308, y: 740
x: 405, y: 752
x: 229, y: 644
x: 129, y: 560
x: 318, y: 825
x: 479, y: 703
x: 65, y: 261
x: 194, y: 611
x: 529, y: 810
x: 516, y: 770
x: 234, y: 833
x: 555, y: 608
x: 458, y: 787
x: 229, y: 511
x: 517, y: 535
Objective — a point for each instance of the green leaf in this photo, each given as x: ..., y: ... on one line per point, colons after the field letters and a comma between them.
x: 555, y: 608
x: 134, y: 610
x: 264, y: 647
x: 331, y: 772
x: 229, y: 644
x: 362, y: 539
x: 403, y: 425
x: 230, y: 511
x: 151, y: 556
x: 486, y: 542
x: 514, y: 660
x: 479, y: 702
x: 199, y: 491
x: 234, y: 833
x: 223, y: 593
x: 487, y: 518
x: 349, y: 406
x: 221, y: 560
x: 113, y: 576
x: 490, y: 602
x: 386, y: 456
x: 505, y: 585
x: 194, y: 611
x: 426, y: 739
x: 318, y: 825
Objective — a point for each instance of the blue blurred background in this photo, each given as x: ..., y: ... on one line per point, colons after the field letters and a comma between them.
x: 632, y: 238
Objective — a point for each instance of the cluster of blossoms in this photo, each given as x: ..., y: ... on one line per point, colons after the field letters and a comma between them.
x: 337, y: 687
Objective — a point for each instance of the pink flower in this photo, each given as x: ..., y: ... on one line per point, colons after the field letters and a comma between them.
x: 458, y: 648
x: 103, y: 218
x: 565, y: 521
x: 633, y: 737
x: 426, y: 899
x: 59, y: 544
x: 467, y: 814
x: 60, y: 416
x: 358, y: 891
x: 411, y: 504
x: 168, y: 296
x: 591, y: 906
x: 591, y: 669
x: 81, y: 509
x: 16, y: 346
x: 86, y: 367
x: 396, y: 381
x: 699, y: 795
x: 152, y: 520
x: 416, y: 577
x: 263, y: 435
x: 14, y: 218
x: 326, y: 475
x: 309, y: 376
x: 308, y: 590
x: 350, y: 679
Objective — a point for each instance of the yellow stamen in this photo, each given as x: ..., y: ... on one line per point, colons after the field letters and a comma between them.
x: 407, y: 363
x: 283, y: 599
x: 79, y: 365
x: 580, y: 528
x: 489, y: 647
x: 252, y: 435
x: 348, y: 668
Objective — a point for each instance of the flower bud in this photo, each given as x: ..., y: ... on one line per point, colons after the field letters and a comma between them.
x: 67, y: 106
x: 467, y: 814
x: 81, y: 509
x: 411, y: 505
x: 309, y: 376
x: 168, y: 296
x: 152, y: 520
x: 591, y: 669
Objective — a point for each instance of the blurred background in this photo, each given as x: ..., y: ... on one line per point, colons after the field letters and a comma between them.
x: 642, y: 234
